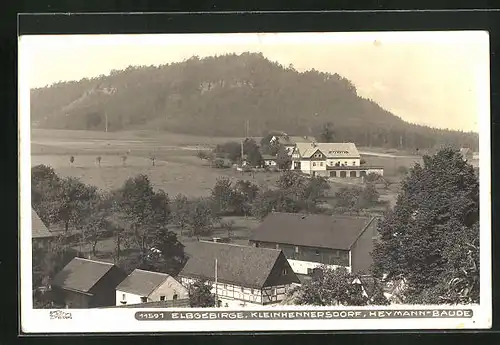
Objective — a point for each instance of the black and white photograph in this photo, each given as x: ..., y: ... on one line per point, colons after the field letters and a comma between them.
x: 255, y: 181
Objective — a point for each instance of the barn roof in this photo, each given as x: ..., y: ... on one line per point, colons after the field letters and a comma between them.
x: 141, y: 282
x: 239, y: 265
x: 292, y: 140
x: 330, y: 150
x: 81, y: 275
x: 38, y: 227
x: 311, y: 230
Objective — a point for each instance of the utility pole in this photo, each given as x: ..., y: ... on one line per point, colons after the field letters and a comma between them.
x: 216, y: 297
x: 106, y: 116
x: 241, y: 152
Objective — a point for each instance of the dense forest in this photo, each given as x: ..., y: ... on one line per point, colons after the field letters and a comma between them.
x: 217, y: 95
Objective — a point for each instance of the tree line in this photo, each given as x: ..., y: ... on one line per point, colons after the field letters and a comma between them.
x: 217, y: 95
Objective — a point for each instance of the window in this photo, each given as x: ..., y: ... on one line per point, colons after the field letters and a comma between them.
x: 242, y: 288
x: 296, y: 249
x: 162, y: 298
x: 251, y: 291
x: 321, y: 163
x: 353, y: 162
x: 277, y: 246
x: 225, y: 286
x: 285, y: 271
x: 124, y: 297
x: 144, y: 299
x: 345, y: 163
x: 316, y: 252
x: 314, y: 164
x: 174, y: 297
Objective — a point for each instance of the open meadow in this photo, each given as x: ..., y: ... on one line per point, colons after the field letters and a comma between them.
x: 176, y: 169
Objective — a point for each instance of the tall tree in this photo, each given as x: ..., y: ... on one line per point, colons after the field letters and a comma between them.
x: 201, y: 216
x: 244, y: 194
x: 327, y: 134
x: 145, y: 210
x: 200, y: 295
x: 222, y: 194
x: 45, y: 186
x: 95, y: 225
x: 333, y: 287
x: 180, y: 211
x: 283, y: 159
x: 169, y: 257
x: 73, y: 204
x: 252, y: 152
x: 433, y: 231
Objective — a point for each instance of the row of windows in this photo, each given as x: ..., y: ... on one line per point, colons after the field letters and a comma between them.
x: 332, y: 164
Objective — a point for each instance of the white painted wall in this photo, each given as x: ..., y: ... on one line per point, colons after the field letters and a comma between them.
x: 375, y: 171
x: 129, y: 298
x: 300, y: 267
x: 168, y: 289
x: 318, y: 165
x: 270, y: 162
x: 350, y: 161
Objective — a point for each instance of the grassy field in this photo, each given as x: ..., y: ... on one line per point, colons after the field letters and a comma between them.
x: 176, y: 170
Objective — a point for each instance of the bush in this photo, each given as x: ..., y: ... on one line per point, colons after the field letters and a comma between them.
x: 402, y: 170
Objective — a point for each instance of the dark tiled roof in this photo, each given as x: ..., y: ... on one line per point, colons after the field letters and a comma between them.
x: 180, y: 303
x: 81, y: 274
x: 311, y: 230
x: 141, y: 282
x: 38, y: 228
x: 239, y: 265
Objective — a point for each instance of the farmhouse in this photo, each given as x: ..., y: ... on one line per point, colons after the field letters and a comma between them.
x: 146, y: 286
x: 311, y: 240
x: 241, y: 276
x: 289, y: 142
x: 84, y: 283
x: 330, y: 160
x: 269, y: 160
x: 40, y: 233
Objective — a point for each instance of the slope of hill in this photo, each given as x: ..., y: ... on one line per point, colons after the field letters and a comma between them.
x: 216, y: 95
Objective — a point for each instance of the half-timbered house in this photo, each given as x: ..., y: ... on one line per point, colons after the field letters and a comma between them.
x: 240, y: 276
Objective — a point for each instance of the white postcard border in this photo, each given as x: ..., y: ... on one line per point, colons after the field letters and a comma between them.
x: 123, y: 320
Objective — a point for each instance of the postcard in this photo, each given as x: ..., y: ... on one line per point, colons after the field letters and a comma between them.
x: 254, y: 182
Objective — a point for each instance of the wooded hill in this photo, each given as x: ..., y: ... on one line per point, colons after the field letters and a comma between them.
x: 217, y: 95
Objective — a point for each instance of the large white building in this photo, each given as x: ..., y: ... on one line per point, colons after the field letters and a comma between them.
x: 330, y: 160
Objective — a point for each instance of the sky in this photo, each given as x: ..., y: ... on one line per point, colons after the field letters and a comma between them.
x: 439, y: 79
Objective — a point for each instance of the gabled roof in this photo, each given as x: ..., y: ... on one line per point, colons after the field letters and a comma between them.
x: 236, y: 264
x: 268, y: 157
x: 81, y: 275
x: 311, y: 230
x: 330, y: 150
x: 292, y: 140
x: 141, y: 282
x: 38, y: 228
